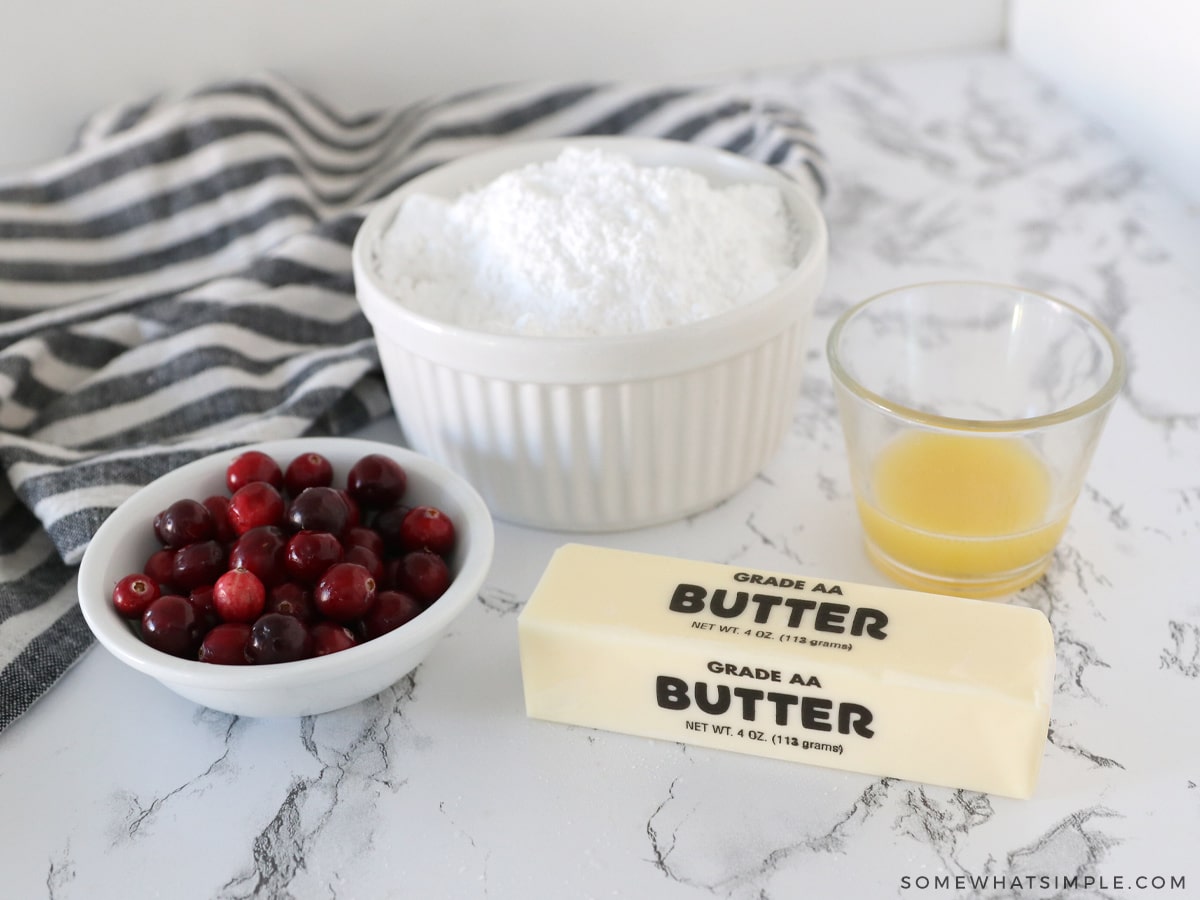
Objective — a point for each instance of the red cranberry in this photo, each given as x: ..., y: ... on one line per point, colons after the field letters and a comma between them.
x: 359, y: 536
x: 318, y: 509
x: 310, y: 553
x: 292, y: 599
x: 427, y: 528
x: 353, y: 513
x: 345, y: 592
x: 183, y: 522
x: 198, y: 564
x: 391, y: 610
x: 329, y: 637
x: 376, y: 481
x: 367, y: 559
x: 252, y: 466
x: 201, y: 599
x: 160, y: 567
x: 256, y: 505
x: 225, y: 645
x: 170, y: 624
x: 276, y: 638
x: 218, y: 508
x: 264, y: 552
x: 133, y: 594
x: 393, y: 573
x: 307, y: 470
x: 239, y: 596
x: 425, y: 575
x: 388, y: 524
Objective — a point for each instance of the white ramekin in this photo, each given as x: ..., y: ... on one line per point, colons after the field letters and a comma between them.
x: 598, y: 433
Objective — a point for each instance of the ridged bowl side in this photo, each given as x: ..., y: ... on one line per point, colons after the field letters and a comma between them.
x: 601, y: 457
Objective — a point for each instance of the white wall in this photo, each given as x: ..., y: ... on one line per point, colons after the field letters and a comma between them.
x: 61, y: 59
x: 1132, y: 65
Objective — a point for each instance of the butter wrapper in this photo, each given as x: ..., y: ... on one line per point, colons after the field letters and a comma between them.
x: 877, y: 680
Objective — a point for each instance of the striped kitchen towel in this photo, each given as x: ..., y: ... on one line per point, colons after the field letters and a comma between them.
x: 180, y: 283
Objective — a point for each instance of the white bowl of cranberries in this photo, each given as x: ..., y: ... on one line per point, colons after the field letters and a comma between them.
x: 287, y: 578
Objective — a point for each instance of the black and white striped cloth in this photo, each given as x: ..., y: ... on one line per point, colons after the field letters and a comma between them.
x: 179, y: 283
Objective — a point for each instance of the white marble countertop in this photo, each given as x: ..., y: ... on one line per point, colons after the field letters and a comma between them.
x: 943, y: 167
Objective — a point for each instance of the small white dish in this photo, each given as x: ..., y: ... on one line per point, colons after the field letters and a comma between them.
x: 126, y: 539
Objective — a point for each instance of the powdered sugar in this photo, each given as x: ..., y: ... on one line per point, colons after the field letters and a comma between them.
x: 587, y: 244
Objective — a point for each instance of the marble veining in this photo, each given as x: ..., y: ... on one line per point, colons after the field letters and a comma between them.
x: 1183, y: 653
x: 956, y: 166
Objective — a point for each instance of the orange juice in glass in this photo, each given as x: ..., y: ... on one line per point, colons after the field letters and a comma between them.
x: 970, y: 412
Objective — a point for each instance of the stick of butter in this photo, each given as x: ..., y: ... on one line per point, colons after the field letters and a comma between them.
x: 878, y: 680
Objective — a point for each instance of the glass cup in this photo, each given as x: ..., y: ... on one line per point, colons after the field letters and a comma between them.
x: 970, y: 412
